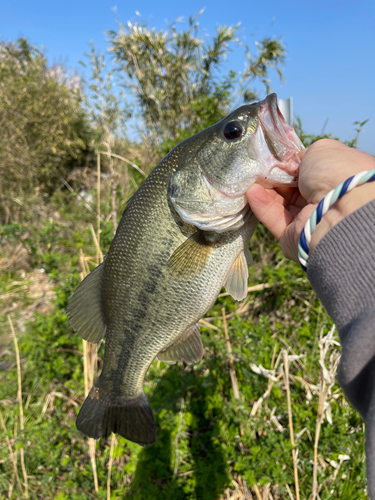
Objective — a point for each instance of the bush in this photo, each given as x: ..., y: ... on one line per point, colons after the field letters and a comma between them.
x: 177, y: 78
x: 45, y: 133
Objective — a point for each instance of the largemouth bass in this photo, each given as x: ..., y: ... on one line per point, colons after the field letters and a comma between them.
x: 182, y: 236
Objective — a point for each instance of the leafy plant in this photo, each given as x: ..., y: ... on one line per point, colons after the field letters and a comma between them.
x: 45, y: 131
x: 175, y: 76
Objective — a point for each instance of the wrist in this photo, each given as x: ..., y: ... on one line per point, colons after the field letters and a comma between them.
x: 349, y: 203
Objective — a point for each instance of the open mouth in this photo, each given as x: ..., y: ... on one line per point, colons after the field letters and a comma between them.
x: 281, y: 139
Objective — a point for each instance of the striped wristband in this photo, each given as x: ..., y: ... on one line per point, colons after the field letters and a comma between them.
x: 322, y: 208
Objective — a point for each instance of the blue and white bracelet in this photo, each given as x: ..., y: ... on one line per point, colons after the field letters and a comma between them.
x: 322, y: 208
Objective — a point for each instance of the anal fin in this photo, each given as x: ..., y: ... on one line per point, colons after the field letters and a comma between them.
x: 188, y: 348
x: 85, y: 311
x: 236, y: 283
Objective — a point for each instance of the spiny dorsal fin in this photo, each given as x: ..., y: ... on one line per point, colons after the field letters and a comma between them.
x: 236, y: 283
x: 191, y: 256
x: 85, y: 310
x: 188, y: 348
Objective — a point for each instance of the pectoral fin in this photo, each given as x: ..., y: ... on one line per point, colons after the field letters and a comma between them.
x: 85, y: 311
x: 187, y: 348
x: 236, y: 283
x: 191, y: 256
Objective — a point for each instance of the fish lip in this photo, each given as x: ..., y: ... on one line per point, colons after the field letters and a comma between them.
x: 279, y: 129
x: 230, y: 223
x: 281, y: 140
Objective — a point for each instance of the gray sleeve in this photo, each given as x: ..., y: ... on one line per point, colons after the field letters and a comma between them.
x: 341, y: 269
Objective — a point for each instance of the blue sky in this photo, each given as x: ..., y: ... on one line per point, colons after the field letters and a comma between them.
x: 329, y: 71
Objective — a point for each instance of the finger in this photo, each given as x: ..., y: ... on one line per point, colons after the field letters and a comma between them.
x: 268, y: 210
x: 290, y: 237
x: 292, y: 197
x: 289, y: 193
x: 294, y: 210
x: 285, y: 192
x: 279, y: 198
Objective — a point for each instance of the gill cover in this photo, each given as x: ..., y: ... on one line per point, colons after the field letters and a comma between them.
x: 199, y: 203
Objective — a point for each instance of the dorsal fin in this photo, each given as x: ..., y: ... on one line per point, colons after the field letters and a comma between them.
x: 188, y: 348
x: 85, y: 310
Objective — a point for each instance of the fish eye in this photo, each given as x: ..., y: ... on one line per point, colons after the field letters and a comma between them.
x: 233, y: 130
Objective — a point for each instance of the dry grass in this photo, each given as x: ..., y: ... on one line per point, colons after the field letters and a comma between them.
x: 13, y: 459
x: 290, y: 418
x: 90, y: 360
x: 232, y: 371
x: 20, y: 402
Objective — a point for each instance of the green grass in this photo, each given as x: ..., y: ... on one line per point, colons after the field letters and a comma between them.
x: 207, y: 440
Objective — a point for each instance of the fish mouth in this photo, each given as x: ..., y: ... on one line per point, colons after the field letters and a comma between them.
x: 282, y: 142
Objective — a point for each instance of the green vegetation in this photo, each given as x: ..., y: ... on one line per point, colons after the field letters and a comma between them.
x: 208, y: 441
x: 210, y: 444
x: 176, y: 76
x: 45, y: 133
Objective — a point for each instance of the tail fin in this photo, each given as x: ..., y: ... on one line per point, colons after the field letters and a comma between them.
x: 131, y: 418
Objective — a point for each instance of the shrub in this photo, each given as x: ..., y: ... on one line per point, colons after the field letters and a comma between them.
x: 45, y: 133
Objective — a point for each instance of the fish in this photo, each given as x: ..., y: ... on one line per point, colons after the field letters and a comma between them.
x: 183, y: 236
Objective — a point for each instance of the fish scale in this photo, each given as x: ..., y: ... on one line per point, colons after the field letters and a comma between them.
x: 163, y: 273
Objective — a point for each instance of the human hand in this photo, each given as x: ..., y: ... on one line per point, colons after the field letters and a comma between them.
x: 284, y: 211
